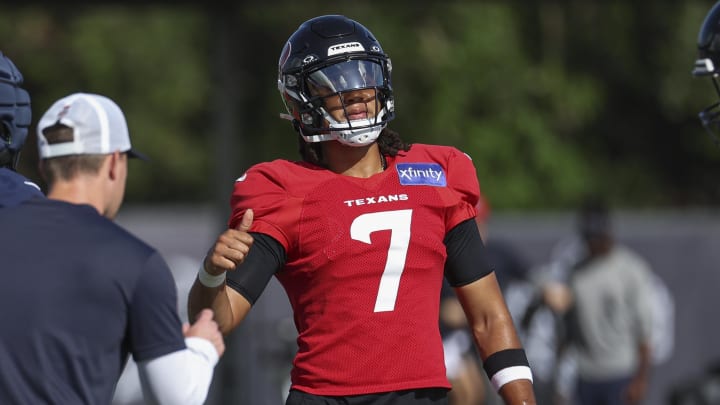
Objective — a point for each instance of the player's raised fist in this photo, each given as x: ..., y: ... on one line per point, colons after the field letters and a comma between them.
x: 230, y: 248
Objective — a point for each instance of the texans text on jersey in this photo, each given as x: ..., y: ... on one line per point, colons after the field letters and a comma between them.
x: 376, y: 200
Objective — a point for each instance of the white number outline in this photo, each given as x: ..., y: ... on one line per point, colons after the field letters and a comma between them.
x: 398, y: 222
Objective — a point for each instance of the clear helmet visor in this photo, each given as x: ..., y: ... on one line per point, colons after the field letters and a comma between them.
x: 344, y: 76
x: 347, y: 94
x: 351, y: 97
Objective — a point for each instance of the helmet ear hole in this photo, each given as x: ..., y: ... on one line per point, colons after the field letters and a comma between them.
x: 5, y: 132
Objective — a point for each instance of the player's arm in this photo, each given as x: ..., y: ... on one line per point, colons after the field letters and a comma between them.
x: 209, y: 289
x: 230, y: 308
x: 249, y: 272
x: 489, y: 319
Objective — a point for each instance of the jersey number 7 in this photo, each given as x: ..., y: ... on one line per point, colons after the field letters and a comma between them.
x: 398, y: 222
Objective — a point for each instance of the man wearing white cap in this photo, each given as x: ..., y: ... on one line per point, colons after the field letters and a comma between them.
x: 79, y: 293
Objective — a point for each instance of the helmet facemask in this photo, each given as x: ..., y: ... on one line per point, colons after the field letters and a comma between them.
x: 706, y: 65
x: 347, y: 99
x: 710, y: 116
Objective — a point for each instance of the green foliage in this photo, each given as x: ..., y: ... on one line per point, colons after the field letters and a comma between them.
x: 151, y: 61
x: 511, y: 113
x: 551, y: 100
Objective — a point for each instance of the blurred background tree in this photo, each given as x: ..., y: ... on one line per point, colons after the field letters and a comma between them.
x: 552, y: 100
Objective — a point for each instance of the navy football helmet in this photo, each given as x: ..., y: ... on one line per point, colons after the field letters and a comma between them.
x: 329, y: 56
x: 15, y: 113
x: 708, y: 64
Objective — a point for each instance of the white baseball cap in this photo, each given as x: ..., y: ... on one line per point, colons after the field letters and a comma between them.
x: 98, y: 126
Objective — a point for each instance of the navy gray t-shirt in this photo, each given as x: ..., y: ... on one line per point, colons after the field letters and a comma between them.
x: 78, y: 294
x: 16, y: 189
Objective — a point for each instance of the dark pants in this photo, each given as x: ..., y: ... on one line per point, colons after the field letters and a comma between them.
x: 608, y: 392
x: 428, y: 396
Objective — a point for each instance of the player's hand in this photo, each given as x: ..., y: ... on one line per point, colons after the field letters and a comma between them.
x: 205, y: 327
x: 230, y: 248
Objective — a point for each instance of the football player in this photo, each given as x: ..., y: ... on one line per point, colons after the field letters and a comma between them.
x: 360, y: 234
x: 15, y: 115
x: 707, y: 64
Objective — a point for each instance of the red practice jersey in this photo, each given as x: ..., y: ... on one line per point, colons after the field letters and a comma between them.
x: 365, y: 262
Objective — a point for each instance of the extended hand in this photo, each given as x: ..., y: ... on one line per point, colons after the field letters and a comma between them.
x: 205, y: 327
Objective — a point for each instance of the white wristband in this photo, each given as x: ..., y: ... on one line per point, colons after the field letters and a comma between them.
x: 508, y: 374
x: 208, y: 280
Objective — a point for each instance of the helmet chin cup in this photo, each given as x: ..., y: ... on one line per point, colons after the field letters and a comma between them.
x: 360, y: 132
x: 363, y: 134
x: 357, y: 137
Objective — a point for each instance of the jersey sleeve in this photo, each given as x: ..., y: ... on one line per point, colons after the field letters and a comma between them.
x: 154, y: 324
x: 265, y: 258
x: 262, y: 189
x: 467, y: 259
x: 463, y: 182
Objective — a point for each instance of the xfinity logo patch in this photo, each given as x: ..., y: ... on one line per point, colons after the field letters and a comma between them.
x: 344, y: 48
x: 421, y: 174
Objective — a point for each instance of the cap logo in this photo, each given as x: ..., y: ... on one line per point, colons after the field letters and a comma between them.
x: 344, y: 48
x: 285, y: 54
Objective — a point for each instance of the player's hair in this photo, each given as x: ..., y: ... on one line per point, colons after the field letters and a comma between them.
x: 67, y: 167
x: 389, y: 142
x: 593, y: 217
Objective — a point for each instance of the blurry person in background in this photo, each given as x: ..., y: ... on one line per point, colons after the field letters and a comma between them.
x: 360, y: 234
x: 707, y: 64
x: 542, y: 323
x: 610, y: 317
x: 79, y: 293
x: 544, y: 326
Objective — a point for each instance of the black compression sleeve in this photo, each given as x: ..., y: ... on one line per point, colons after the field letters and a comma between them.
x: 265, y: 258
x: 466, y: 255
